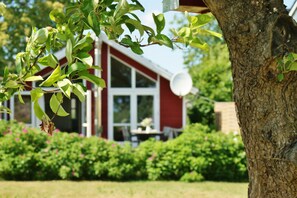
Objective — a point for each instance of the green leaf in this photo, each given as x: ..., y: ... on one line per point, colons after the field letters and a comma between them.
x: 185, y: 32
x: 33, y: 78
x: 43, y: 61
x: 135, y: 47
x: 96, y: 67
x: 52, y: 61
x: 198, y: 44
x: 55, y: 105
x: 12, y: 84
x: 5, y: 75
x: 54, y: 77
x: 36, y: 94
x: 160, y: 22
x: 94, y: 22
x: 293, y: 66
x: 69, y: 51
x: 85, y: 44
x: 39, y: 113
x: 77, y: 66
x: 57, y: 16
x: 41, y: 36
x: 66, y: 87
x: 200, y: 20
x: 294, y: 55
x: 137, y: 25
x: 211, y: 33
x: 18, y: 62
x: 79, y: 92
x: 20, y: 98
x: 85, y: 58
x: 164, y: 40
x: 121, y: 9
x: 149, y: 29
x: 280, y: 77
x: 91, y: 78
x: 4, y: 109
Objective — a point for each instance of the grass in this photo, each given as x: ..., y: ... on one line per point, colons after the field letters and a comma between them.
x: 98, y: 189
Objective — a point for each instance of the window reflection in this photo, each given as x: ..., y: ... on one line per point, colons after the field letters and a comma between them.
x: 142, y: 81
x: 120, y: 74
x: 121, y: 109
x: 145, y: 107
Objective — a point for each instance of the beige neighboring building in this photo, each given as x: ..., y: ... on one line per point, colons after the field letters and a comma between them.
x: 226, y: 119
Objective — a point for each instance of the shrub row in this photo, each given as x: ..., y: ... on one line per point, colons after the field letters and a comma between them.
x: 197, y: 154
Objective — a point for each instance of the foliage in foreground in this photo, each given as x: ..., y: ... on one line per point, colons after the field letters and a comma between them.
x: 197, y: 154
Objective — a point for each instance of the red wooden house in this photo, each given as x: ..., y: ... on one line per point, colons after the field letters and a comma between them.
x: 135, y: 89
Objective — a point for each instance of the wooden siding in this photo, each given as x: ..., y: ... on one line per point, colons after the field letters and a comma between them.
x: 226, y: 119
x: 171, y: 107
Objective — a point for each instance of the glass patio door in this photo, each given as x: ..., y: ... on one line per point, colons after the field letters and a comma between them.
x: 128, y: 111
x: 145, y: 108
x: 121, y: 115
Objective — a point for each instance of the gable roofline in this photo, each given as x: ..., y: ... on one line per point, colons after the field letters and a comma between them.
x: 138, y: 58
x: 142, y: 60
x: 293, y: 9
x: 127, y: 52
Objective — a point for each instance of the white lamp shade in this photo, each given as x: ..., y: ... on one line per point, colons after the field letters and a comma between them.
x: 181, y: 83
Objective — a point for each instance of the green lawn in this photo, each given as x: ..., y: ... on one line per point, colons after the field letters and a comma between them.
x: 100, y: 189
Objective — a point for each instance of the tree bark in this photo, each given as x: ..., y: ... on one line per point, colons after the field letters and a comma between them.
x: 257, y: 32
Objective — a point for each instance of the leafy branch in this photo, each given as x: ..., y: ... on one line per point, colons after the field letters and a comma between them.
x: 111, y: 17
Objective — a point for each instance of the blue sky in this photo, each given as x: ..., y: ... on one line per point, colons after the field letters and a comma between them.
x: 171, y: 60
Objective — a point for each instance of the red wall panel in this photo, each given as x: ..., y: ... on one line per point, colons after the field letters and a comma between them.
x: 171, y: 107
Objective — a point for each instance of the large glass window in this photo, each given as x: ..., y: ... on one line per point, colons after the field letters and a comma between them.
x: 133, y: 97
x: 142, y: 81
x: 121, y: 116
x: 120, y: 74
x: 121, y: 109
x: 145, y: 107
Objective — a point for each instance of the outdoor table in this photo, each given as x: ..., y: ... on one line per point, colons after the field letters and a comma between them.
x: 143, y: 135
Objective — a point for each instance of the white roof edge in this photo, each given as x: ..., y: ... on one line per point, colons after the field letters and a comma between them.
x: 293, y: 9
x: 138, y: 58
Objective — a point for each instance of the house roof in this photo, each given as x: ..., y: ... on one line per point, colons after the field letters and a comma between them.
x: 142, y: 60
x: 293, y: 9
x: 138, y: 58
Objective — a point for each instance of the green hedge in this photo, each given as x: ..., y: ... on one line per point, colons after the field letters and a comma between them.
x: 197, y: 154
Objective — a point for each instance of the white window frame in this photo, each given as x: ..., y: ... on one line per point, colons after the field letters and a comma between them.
x: 133, y: 92
x: 34, y: 121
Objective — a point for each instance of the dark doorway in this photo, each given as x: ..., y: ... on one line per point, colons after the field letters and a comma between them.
x: 70, y: 123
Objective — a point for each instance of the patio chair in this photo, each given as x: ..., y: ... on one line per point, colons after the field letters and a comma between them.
x: 176, y: 131
x: 170, y: 133
x: 128, y: 137
x: 126, y: 134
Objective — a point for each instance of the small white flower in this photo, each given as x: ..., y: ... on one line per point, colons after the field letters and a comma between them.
x: 146, y: 122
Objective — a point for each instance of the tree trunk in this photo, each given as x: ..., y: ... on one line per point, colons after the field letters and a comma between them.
x: 256, y: 32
